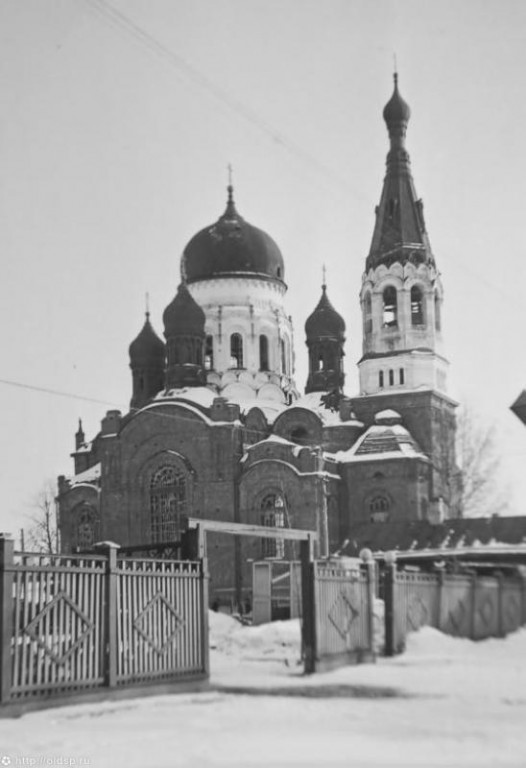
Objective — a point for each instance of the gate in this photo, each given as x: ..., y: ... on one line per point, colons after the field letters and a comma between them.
x: 276, y: 590
x: 338, y: 615
x: 73, y: 624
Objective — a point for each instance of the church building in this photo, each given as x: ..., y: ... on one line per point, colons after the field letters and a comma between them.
x: 218, y: 429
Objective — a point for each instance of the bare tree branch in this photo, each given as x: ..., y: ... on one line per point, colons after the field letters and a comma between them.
x: 483, y: 490
x: 42, y: 533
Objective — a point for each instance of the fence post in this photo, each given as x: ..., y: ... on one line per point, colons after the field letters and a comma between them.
x: 205, y: 644
x: 473, y: 605
x: 308, y: 590
x: 367, y: 556
x: 192, y: 544
x: 440, y: 606
x: 389, y: 599
x: 6, y: 614
x: 501, y: 632
x: 109, y: 550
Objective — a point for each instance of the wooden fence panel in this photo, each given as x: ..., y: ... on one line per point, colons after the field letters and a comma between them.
x: 486, y: 608
x: 416, y: 604
x: 160, y: 609
x: 343, y: 615
x: 76, y: 623
x: 58, y: 624
x: 462, y: 605
x: 512, y: 595
x: 456, y: 616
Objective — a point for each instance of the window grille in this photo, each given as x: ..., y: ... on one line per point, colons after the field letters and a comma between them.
x: 273, y: 516
x: 87, y: 527
x: 168, y: 503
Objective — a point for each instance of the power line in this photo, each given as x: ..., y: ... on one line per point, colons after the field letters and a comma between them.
x: 124, y: 23
x: 235, y: 105
x: 56, y: 392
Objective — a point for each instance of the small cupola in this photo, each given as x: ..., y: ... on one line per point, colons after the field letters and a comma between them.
x: 184, y: 330
x: 147, y: 359
x: 396, y: 110
x: 147, y: 348
x: 325, y: 332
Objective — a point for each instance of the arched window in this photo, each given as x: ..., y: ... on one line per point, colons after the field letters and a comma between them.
x: 390, y: 313
x: 87, y: 526
x: 379, y: 508
x: 273, y: 516
x: 417, y: 306
x: 391, y: 378
x: 236, y: 351
x: 381, y: 379
x: 367, y: 314
x: 402, y: 376
x: 438, y: 319
x: 168, y: 502
x: 283, y: 356
x: 209, y: 353
x: 263, y: 353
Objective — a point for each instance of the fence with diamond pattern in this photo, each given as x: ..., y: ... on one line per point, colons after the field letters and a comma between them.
x: 72, y: 624
x: 338, y: 615
x: 464, y: 605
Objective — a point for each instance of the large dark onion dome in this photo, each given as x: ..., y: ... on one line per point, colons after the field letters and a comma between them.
x: 325, y: 331
x: 184, y: 329
x: 231, y: 248
x: 147, y: 354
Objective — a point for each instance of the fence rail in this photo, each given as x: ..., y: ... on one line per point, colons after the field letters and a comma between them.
x: 464, y: 605
x: 86, y: 622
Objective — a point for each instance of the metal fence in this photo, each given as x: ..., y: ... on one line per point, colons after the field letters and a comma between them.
x: 72, y: 624
x: 464, y: 605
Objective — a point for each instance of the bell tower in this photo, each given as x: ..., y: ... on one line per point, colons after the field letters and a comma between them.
x: 403, y: 366
x: 401, y: 294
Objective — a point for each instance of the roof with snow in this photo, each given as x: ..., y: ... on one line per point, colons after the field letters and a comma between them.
x: 386, y: 440
x: 476, y: 536
x: 320, y: 403
x: 91, y: 476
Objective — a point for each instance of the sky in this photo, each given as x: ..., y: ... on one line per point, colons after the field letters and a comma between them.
x: 118, y: 122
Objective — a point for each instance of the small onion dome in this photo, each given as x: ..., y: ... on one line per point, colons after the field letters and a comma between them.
x: 325, y: 322
x: 183, y: 316
x: 396, y: 110
x: 229, y: 248
x: 147, y: 348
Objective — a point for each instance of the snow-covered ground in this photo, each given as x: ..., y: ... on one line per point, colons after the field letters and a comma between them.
x: 445, y: 702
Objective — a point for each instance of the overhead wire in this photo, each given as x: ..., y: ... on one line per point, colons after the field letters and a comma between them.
x: 148, y: 41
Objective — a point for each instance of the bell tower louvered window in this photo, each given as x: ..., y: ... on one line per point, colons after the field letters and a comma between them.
x: 390, y: 308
